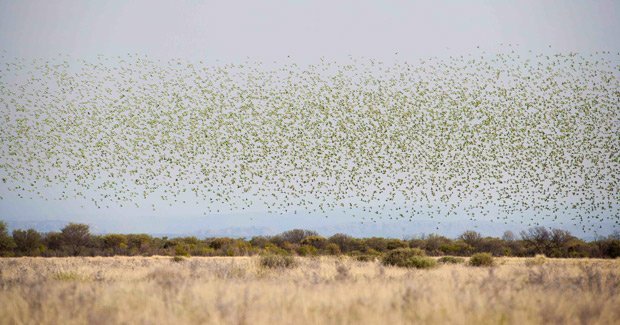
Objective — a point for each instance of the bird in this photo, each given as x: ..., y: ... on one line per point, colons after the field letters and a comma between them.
x: 484, y: 136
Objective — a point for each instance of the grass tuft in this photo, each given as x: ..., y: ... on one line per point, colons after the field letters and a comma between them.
x: 451, y: 260
x: 481, y: 259
x: 409, y: 257
x: 278, y: 262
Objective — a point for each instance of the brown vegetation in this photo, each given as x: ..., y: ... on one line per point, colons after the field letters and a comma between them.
x: 320, y: 290
x: 76, y: 240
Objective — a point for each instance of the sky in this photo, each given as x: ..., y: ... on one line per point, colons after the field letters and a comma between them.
x: 231, y: 31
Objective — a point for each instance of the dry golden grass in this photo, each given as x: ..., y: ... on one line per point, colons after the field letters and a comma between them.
x: 327, y: 290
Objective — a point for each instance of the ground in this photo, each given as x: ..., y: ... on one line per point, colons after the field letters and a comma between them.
x: 321, y: 290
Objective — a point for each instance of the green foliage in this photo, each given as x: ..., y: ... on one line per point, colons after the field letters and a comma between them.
x: 6, y: 242
x: 75, y: 237
x: 396, y: 243
x: 451, y: 260
x: 457, y: 247
x: 307, y: 250
x: 344, y: 242
x: 180, y: 250
x: 408, y: 257
x: 272, y: 249
x: 368, y: 256
x: 317, y: 242
x: 27, y: 242
x: 278, y: 262
x: 612, y: 248
x: 481, y: 259
x: 178, y: 259
x: 433, y: 243
x: 333, y: 249
x: 365, y: 258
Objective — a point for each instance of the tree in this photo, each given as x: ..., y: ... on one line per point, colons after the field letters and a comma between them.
x: 75, y: 237
x: 28, y: 242
x: 559, y: 242
x: 114, y: 243
x: 345, y: 242
x: 538, y: 239
x: 317, y: 242
x: 434, y: 242
x: 611, y: 248
x: 6, y: 242
x: 139, y: 243
x: 295, y: 236
x: 508, y: 236
x: 471, y: 238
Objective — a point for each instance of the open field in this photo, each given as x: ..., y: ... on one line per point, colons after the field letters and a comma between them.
x: 322, y: 290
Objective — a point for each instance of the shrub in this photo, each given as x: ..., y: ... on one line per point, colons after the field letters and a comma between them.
x: 180, y: 251
x: 344, y: 242
x: 399, y: 256
x: 295, y: 236
x: 408, y: 257
x: 332, y: 249
x: 539, y: 259
x: 178, y: 259
x: 317, y: 242
x: 481, y: 259
x: 202, y: 251
x: 278, y: 262
x: 457, y: 247
x: 365, y: 258
x: 451, y: 260
x: 421, y: 262
x: 307, y: 250
x: 271, y: 249
x: 370, y: 256
x: 6, y: 242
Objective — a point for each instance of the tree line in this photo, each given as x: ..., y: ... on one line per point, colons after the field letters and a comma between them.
x: 77, y: 240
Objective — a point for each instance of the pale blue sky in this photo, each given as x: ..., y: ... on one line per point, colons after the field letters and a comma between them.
x: 230, y: 31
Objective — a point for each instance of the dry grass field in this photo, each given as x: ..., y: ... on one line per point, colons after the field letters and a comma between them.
x: 325, y: 290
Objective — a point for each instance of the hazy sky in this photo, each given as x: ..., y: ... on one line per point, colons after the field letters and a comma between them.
x: 232, y: 30
x: 272, y: 30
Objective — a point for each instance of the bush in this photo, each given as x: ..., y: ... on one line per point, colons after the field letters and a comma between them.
x: 6, y: 242
x: 178, y: 259
x: 278, y: 262
x: 481, y: 259
x: 332, y: 249
x: 368, y: 257
x: 408, y: 257
x: 271, y: 249
x: 307, y: 250
x: 451, y: 260
x: 539, y: 259
x: 421, y: 262
x: 180, y: 251
x: 317, y: 242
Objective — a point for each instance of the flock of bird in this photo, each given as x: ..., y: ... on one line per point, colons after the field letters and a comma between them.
x: 528, y: 136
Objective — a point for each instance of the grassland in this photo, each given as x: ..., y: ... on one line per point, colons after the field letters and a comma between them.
x: 322, y: 290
